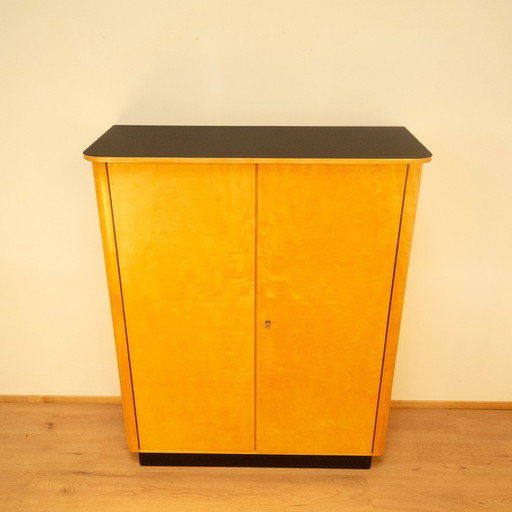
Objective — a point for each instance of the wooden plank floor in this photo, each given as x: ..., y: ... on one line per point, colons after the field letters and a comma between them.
x: 72, y: 457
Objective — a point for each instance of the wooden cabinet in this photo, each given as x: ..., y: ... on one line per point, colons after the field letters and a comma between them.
x: 256, y: 278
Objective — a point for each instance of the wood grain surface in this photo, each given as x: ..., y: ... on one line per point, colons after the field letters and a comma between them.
x: 408, y: 215
x: 399, y: 404
x: 326, y: 260
x: 185, y: 247
x: 103, y: 197
x: 61, y: 457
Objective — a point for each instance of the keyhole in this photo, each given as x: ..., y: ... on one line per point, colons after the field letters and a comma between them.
x: 268, y: 324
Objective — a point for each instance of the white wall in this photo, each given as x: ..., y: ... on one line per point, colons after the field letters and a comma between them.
x: 69, y: 70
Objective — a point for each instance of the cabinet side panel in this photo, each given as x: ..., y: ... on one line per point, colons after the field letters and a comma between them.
x: 326, y: 251
x: 397, y: 301
x: 116, y: 301
x: 185, y: 240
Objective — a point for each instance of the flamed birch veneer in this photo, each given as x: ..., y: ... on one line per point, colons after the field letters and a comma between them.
x: 256, y: 279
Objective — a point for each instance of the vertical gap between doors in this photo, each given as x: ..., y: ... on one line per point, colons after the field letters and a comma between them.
x: 255, y: 394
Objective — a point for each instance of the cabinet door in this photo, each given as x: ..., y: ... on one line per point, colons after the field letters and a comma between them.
x: 327, y: 240
x: 185, y: 242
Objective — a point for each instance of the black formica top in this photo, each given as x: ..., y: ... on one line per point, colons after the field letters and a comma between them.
x: 294, y: 142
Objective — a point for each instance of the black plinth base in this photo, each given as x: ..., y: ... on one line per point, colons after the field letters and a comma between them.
x: 255, y: 460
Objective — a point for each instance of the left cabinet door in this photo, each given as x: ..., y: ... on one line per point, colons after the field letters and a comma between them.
x: 185, y: 237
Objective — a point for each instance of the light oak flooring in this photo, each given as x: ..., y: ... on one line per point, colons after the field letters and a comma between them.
x: 72, y: 457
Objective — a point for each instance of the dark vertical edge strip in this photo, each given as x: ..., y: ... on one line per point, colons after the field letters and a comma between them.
x: 390, y: 303
x: 122, y: 302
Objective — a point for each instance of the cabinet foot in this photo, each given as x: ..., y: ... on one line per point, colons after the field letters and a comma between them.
x: 255, y: 460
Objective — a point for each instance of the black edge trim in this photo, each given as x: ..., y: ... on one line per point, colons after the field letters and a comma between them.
x: 255, y: 460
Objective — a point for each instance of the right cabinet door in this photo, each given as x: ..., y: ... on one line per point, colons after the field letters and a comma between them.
x: 326, y: 248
